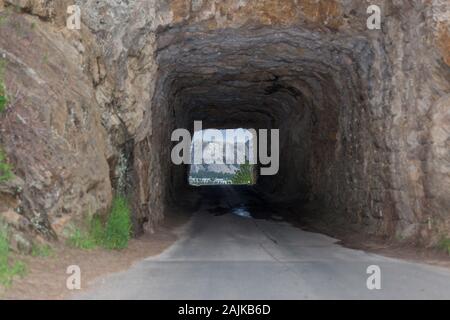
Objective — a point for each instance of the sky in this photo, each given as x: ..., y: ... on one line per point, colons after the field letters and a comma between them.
x: 240, y: 133
x: 212, y: 153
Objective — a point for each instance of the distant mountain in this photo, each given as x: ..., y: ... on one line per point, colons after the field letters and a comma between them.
x: 217, y: 168
x: 212, y: 153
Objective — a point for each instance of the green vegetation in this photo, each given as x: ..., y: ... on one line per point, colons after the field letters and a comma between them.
x: 42, y: 251
x: 16, y: 8
x: 444, y: 244
x: 17, y: 27
x: 81, y: 240
x: 4, y: 16
x: 3, y: 95
x: 8, y: 270
x: 45, y: 58
x: 96, y: 230
x: 244, y: 175
x: 118, y: 226
x: 90, y: 237
x: 115, y: 234
x: 5, y: 168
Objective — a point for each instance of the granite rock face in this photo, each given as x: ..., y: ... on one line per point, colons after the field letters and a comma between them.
x: 52, y: 128
x: 363, y: 114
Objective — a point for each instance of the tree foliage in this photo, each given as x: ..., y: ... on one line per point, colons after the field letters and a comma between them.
x: 244, y: 175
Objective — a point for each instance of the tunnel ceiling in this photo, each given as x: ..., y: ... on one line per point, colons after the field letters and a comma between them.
x: 256, y: 77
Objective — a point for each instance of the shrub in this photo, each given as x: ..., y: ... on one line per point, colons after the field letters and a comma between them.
x: 96, y: 230
x: 3, y: 96
x: 42, y: 251
x: 3, y: 100
x: 81, y: 240
x: 114, y: 235
x: 5, y: 168
x: 118, y: 226
x: 4, y: 246
x: 444, y: 244
x: 7, y: 270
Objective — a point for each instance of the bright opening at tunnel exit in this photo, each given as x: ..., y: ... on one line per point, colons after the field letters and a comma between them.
x: 215, y: 169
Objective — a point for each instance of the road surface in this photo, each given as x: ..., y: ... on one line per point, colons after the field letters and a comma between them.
x: 222, y: 253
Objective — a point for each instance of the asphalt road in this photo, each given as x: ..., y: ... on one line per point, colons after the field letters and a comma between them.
x: 223, y: 253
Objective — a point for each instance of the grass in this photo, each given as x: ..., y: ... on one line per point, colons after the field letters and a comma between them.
x: 96, y: 230
x: 114, y: 234
x: 4, y: 16
x: 118, y: 226
x: 5, y: 168
x: 81, y: 239
x: 444, y: 244
x: 8, y: 270
x: 3, y: 95
x: 42, y: 251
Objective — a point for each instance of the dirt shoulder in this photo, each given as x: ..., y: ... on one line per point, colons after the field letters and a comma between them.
x: 351, y: 237
x: 393, y: 249
x: 46, y: 276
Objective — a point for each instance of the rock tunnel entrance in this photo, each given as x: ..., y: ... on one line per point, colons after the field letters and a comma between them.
x: 314, y: 89
x: 361, y: 133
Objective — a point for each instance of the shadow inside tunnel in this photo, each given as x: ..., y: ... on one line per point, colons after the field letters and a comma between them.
x: 239, y: 200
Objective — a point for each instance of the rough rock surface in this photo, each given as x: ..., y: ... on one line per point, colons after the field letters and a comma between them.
x: 364, y: 114
x: 51, y: 130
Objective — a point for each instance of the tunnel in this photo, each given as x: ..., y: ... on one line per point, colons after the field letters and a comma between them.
x: 313, y: 87
x: 362, y: 112
x: 91, y: 93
